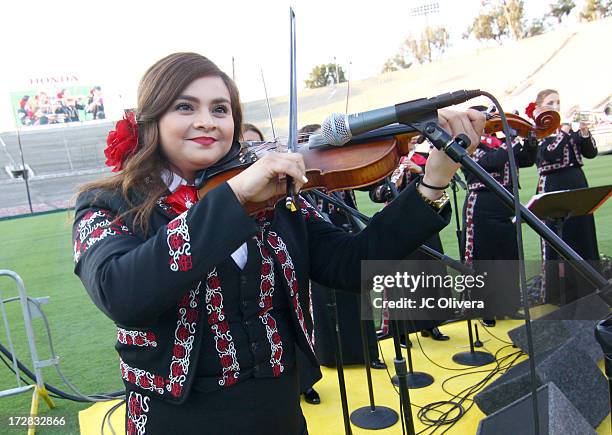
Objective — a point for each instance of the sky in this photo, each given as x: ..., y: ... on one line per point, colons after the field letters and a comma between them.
x: 112, y: 42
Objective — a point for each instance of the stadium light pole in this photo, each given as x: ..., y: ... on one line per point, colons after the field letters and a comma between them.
x: 24, y: 172
x: 425, y: 10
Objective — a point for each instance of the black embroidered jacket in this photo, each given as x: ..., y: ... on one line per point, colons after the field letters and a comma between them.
x: 564, y: 150
x: 495, y: 162
x: 170, y: 292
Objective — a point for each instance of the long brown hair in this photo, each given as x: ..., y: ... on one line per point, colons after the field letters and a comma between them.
x: 159, y: 87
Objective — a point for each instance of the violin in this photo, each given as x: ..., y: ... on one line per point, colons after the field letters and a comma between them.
x: 359, y: 163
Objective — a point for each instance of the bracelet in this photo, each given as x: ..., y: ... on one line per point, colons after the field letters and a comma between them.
x: 437, y: 204
x: 432, y: 187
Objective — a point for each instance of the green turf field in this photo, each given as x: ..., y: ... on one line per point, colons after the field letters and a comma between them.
x: 39, y: 249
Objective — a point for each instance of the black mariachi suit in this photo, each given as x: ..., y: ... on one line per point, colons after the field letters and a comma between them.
x: 187, y: 338
x: 560, y: 168
x: 489, y: 234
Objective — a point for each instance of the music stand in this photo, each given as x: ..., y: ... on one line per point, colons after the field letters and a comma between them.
x: 561, y: 205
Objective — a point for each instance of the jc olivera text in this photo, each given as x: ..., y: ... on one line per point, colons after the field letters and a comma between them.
x: 426, y: 303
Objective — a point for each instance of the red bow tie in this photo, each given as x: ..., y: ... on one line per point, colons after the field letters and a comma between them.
x: 491, y: 141
x: 183, y: 198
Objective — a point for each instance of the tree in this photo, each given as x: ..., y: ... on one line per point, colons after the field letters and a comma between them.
x: 561, y: 8
x: 484, y: 27
x: 396, y: 63
x: 537, y: 27
x: 514, y: 13
x: 596, y: 9
x: 500, y: 18
x: 433, y: 43
x: 325, y: 75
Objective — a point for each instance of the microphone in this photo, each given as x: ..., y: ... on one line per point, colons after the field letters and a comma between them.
x: 338, y: 129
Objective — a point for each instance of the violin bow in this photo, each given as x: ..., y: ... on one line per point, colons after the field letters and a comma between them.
x: 268, y: 103
x: 291, y: 200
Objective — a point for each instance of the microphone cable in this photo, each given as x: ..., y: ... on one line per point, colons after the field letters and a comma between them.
x: 521, y: 253
x: 78, y: 396
x: 455, y: 404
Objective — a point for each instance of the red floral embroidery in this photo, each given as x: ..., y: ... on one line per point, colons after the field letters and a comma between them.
x: 137, y: 409
x: 179, y: 351
x: 138, y: 338
x: 191, y: 315
x: 289, y: 274
x: 184, y: 336
x: 158, y: 381
x: 469, y: 227
x: 140, y: 378
x: 220, y: 330
x: 178, y: 240
x: 266, y: 292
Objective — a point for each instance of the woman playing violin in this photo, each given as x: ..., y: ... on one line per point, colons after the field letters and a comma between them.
x: 489, y: 236
x: 560, y: 168
x: 209, y: 301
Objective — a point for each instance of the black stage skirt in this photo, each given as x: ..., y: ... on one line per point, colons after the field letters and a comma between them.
x: 257, y: 406
x: 349, y: 315
x: 489, y: 245
x: 578, y: 232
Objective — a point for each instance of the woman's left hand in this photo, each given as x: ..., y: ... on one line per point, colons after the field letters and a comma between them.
x: 440, y: 168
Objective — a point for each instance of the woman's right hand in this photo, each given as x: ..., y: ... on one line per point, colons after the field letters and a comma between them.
x: 265, y: 178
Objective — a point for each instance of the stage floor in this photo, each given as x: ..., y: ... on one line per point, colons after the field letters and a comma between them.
x: 326, y: 418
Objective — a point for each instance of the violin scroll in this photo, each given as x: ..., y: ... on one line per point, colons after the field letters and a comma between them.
x: 545, y: 124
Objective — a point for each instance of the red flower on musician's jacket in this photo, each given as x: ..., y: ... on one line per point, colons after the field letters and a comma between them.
x: 418, y: 159
x: 122, y: 142
x: 529, y: 110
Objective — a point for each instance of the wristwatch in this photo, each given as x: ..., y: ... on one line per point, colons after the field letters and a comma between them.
x: 437, y: 204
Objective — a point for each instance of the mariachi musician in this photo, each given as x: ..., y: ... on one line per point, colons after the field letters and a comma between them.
x: 210, y: 301
x: 559, y: 165
x: 489, y: 235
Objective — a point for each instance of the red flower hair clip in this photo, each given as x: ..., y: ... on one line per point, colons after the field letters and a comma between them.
x: 529, y: 110
x: 122, y: 142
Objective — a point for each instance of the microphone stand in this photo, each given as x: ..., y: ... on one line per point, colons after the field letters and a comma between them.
x: 371, y: 417
x: 400, y: 369
x: 413, y: 379
x: 333, y: 313
x: 458, y: 231
x: 455, y: 148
